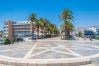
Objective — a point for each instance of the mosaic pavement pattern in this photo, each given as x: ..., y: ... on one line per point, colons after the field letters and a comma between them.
x: 50, y: 49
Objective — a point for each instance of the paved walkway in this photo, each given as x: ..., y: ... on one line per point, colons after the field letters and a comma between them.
x: 51, y: 48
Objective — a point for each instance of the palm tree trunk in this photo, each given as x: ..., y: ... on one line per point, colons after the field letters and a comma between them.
x: 32, y: 32
x: 68, y: 34
x: 65, y: 34
x: 49, y: 33
x: 37, y: 32
x: 44, y: 32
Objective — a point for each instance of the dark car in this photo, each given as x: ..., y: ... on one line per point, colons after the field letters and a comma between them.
x: 19, y: 39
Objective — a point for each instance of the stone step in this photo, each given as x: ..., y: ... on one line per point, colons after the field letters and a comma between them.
x: 4, y: 65
x: 88, y: 65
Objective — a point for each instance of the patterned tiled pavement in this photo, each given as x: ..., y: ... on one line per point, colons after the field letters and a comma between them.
x: 50, y: 49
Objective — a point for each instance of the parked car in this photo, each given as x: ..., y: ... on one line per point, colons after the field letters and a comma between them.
x: 19, y: 39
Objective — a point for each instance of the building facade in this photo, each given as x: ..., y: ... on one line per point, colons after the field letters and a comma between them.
x: 92, y: 32
x: 79, y: 29
x: 16, y: 29
x: 97, y: 32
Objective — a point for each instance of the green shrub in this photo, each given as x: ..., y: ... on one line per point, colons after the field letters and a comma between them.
x: 6, y: 41
x: 97, y: 38
x: 80, y: 34
x: 14, y: 40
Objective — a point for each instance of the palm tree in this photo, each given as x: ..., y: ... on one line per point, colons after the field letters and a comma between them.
x: 38, y: 25
x: 32, y: 19
x: 41, y: 22
x: 53, y: 29
x: 41, y: 25
x: 49, y: 29
x: 68, y: 26
x: 44, y: 25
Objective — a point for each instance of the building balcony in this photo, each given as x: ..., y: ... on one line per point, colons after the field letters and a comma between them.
x: 21, y: 27
x: 21, y: 30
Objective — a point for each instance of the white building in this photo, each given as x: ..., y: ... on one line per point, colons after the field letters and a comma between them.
x: 79, y: 29
x: 95, y: 30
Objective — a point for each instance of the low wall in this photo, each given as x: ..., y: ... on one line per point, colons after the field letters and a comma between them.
x: 44, y: 62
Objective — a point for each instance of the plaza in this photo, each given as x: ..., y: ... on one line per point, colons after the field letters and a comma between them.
x: 49, y: 33
x: 45, y: 52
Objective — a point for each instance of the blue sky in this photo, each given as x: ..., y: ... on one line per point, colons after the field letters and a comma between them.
x: 85, y: 12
